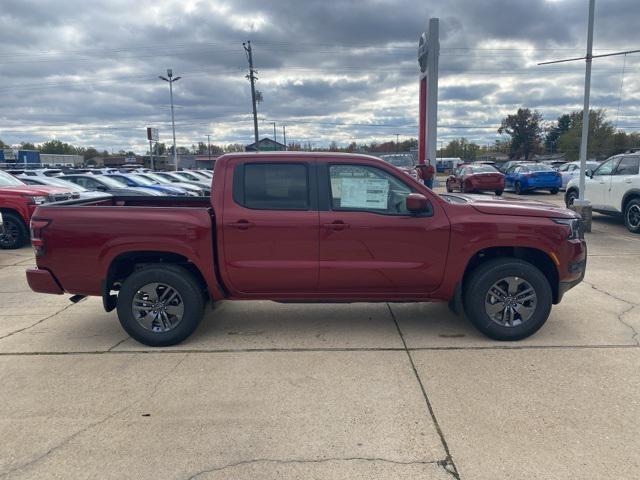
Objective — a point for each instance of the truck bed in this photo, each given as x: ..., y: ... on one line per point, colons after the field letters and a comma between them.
x: 88, y: 235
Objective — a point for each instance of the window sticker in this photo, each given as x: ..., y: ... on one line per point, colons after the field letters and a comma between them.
x: 364, y: 193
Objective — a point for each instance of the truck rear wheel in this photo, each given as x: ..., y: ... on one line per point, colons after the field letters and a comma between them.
x: 15, y: 233
x: 507, y: 299
x: 160, y: 305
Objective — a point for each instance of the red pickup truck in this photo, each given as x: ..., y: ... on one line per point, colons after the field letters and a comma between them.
x: 309, y: 227
x: 18, y: 202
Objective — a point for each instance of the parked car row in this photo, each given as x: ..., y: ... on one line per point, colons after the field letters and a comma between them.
x: 23, y: 190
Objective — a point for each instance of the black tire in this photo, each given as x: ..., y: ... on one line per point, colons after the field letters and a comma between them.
x: 191, y: 299
x: 632, y: 215
x: 498, y: 192
x: 518, y: 188
x: 15, y: 234
x: 570, y: 197
x: 485, y: 276
x: 553, y: 191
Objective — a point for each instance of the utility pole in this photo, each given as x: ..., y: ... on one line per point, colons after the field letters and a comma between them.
x: 252, y: 78
x: 173, y: 122
x: 284, y: 135
x: 274, y: 136
x: 209, y: 147
x: 397, y: 137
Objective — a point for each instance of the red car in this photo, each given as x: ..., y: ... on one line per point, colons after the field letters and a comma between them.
x: 308, y: 227
x: 476, y: 178
x: 17, y: 203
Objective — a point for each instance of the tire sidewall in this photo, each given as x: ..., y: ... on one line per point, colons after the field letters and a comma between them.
x: 627, y: 207
x: 517, y: 187
x: 23, y: 233
x: 489, y: 273
x: 572, y: 194
x: 179, y: 279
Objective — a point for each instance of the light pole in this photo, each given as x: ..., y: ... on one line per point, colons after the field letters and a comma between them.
x: 173, y: 122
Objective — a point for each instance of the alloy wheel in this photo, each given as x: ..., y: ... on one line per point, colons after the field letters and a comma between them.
x: 510, y: 302
x: 633, y: 216
x: 158, y: 307
x: 10, y: 236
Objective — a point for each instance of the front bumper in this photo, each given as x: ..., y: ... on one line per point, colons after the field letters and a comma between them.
x: 576, y: 270
x: 42, y: 281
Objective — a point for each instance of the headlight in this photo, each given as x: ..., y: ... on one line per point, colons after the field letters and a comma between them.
x: 38, y: 200
x: 574, y: 227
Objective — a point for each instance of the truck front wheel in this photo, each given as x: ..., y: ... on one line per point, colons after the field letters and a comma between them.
x: 507, y: 299
x: 15, y: 233
x: 160, y: 305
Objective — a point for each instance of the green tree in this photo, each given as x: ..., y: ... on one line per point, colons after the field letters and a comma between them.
x: 2, y: 144
x: 234, y: 147
x: 525, y: 130
x: 558, y: 128
x: 600, y: 141
x: 90, y: 152
x: 27, y: 146
x: 460, y: 147
x: 56, y: 146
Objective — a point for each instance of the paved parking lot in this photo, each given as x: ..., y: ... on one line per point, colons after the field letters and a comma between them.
x: 264, y: 390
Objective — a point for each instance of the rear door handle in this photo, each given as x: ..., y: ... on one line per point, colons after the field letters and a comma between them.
x: 628, y: 180
x: 339, y: 225
x: 242, y: 224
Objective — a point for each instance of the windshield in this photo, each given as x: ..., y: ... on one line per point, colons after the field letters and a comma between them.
x: 188, y: 175
x: 57, y: 182
x: 170, y: 176
x: 483, y: 169
x: 399, y: 160
x: 152, y: 177
x: 111, y: 181
x: 141, y: 180
x: 537, y: 167
x: 7, y: 180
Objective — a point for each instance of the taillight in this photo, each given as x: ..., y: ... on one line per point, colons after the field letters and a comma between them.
x: 37, y: 227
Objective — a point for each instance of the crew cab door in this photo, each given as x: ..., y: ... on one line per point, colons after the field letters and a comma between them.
x: 369, y: 242
x: 270, y: 227
x: 597, y: 187
x: 624, y: 178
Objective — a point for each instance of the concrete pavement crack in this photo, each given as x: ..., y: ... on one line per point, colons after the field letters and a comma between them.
x: 450, y: 465
x: 68, y: 439
x: 441, y: 463
x: 620, y: 316
x: 38, y: 322
x: 119, y: 343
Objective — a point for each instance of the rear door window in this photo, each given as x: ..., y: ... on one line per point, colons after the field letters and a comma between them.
x: 274, y: 186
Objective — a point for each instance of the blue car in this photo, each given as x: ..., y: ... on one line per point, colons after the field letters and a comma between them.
x: 134, y: 180
x: 526, y: 177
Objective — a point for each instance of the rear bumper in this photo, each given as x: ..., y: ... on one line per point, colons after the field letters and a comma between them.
x: 42, y: 281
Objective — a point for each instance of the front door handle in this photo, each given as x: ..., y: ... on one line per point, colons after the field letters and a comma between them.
x: 242, y: 224
x: 628, y: 180
x: 337, y: 225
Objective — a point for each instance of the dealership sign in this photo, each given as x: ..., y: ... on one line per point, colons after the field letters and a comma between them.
x: 152, y: 134
x: 428, y: 53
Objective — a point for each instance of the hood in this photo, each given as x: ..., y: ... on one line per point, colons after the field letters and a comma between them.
x: 36, y: 190
x: 517, y: 207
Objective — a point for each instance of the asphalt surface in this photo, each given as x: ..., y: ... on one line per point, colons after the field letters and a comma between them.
x: 359, y: 391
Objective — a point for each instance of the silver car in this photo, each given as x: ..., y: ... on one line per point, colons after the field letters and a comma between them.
x: 572, y: 170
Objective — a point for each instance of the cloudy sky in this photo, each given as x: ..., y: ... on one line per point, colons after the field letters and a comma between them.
x: 86, y: 72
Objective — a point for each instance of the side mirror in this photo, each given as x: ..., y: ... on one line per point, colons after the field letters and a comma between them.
x: 417, y: 203
x: 101, y: 188
x: 589, y: 173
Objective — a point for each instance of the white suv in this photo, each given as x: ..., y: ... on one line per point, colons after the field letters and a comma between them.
x: 613, y: 188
